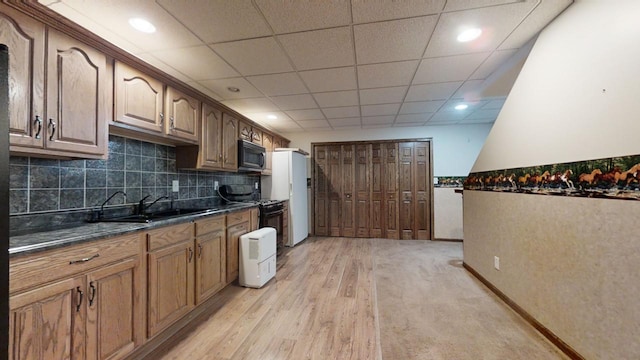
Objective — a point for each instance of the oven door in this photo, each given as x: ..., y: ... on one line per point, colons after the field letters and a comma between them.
x: 274, y: 219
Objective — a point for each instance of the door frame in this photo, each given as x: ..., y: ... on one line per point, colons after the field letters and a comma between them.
x: 360, y: 142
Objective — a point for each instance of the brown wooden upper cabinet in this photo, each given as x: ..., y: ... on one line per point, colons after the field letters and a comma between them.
x: 250, y: 133
x: 74, y: 123
x: 267, y: 142
x: 218, y: 148
x: 143, y: 103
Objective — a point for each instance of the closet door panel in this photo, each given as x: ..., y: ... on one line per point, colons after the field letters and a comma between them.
x: 348, y: 182
x: 376, y: 225
x: 335, y: 190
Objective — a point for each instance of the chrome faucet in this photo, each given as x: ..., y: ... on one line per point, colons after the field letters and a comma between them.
x: 142, y: 207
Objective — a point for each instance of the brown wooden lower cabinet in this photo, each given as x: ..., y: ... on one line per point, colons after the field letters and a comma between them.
x: 211, y: 243
x: 92, y: 311
x: 237, y: 225
x: 379, y: 189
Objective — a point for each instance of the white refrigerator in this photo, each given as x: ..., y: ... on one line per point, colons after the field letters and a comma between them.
x: 289, y: 182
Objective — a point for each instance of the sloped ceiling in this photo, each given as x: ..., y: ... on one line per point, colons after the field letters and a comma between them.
x: 305, y: 65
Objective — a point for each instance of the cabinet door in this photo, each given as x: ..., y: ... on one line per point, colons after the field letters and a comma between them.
x: 77, y: 90
x: 115, y: 314
x: 183, y: 113
x: 211, y: 139
x: 233, y: 243
x: 267, y: 142
x: 48, y: 322
x: 170, y: 285
x: 285, y: 223
x: 245, y: 131
x: 138, y: 99
x: 255, y: 219
x: 256, y: 135
x: 25, y: 39
x: 210, y: 264
x: 229, y: 142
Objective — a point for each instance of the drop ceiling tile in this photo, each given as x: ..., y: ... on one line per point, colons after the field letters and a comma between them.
x: 256, y: 105
x: 534, y: 23
x: 217, y: 21
x: 496, y: 22
x: 377, y: 120
x: 420, y: 107
x: 199, y: 63
x: 455, y: 5
x: 337, y: 98
x: 314, y: 124
x: 344, y: 122
x: 205, y: 90
x: 435, y: 91
x: 382, y: 95
x: 477, y: 121
x: 255, y: 56
x: 311, y: 114
x: 451, y: 116
x: 97, y: 27
x: 449, y: 68
x: 470, y: 90
x: 414, y: 118
x: 319, y: 49
x: 377, y: 10
x: 483, y: 114
x: 393, y: 40
x: 265, y: 118
x: 330, y: 79
x: 292, y: 16
x: 278, y: 84
x: 294, y: 102
x: 341, y: 112
x: 220, y: 86
x: 408, y: 124
x: 494, y: 104
x: 154, y: 61
x: 492, y: 63
x: 375, y: 110
x: 289, y: 127
x: 387, y: 74
x: 115, y: 14
x: 471, y: 106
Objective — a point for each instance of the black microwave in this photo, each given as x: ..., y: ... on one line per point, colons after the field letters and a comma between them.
x: 251, y: 156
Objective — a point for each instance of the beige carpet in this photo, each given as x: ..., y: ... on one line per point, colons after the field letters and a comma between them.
x: 431, y: 308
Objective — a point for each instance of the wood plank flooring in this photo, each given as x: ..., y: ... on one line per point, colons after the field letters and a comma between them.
x: 343, y: 298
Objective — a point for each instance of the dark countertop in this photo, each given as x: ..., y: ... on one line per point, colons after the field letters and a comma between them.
x: 47, y: 240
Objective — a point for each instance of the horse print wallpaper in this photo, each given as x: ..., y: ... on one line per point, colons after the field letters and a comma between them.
x: 449, y: 181
x: 614, y: 178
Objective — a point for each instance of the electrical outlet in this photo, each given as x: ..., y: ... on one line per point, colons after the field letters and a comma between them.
x: 175, y: 186
x: 496, y: 262
x: 215, y: 185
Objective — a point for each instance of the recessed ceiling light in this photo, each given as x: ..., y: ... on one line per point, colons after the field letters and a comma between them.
x: 461, y: 106
x: 272, y: 117
x: 142, y: 25
x: 470, y: 34
x: 233, y: 89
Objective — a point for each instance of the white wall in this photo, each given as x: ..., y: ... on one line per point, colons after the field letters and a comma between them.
x: 568, y: 261
x: 455, y: 147
x: 576, y: 97
x: 447, y: 214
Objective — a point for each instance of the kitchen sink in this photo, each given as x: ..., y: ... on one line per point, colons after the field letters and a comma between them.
x: 149, y: 217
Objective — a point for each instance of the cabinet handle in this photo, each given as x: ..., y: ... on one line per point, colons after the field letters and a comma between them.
x: 199, y: 251
x: 161, y: 119
x: 38, y: 122
x: 84, y: 260
x: 172, y: 124
x: 52, y: 125
x: 80, y: 294
x: 220, y: 156
x: 92, y: 293
x: 190, y: 253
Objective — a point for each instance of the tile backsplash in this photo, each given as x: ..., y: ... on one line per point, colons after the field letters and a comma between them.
x: 42, y: 186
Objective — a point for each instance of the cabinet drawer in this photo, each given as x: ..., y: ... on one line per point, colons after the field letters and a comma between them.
x: 206, y: 226
x: 238, y: 217
x: 47, y: 266
x: 169, y: 235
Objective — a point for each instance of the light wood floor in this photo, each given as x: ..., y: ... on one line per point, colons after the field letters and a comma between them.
x: 339, y: 298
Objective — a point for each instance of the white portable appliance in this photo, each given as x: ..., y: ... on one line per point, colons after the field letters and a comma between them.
x: 289, y: 182
x: 257, y: 257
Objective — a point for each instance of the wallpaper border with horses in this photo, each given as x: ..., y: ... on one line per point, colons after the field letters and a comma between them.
x: 612, y: 178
